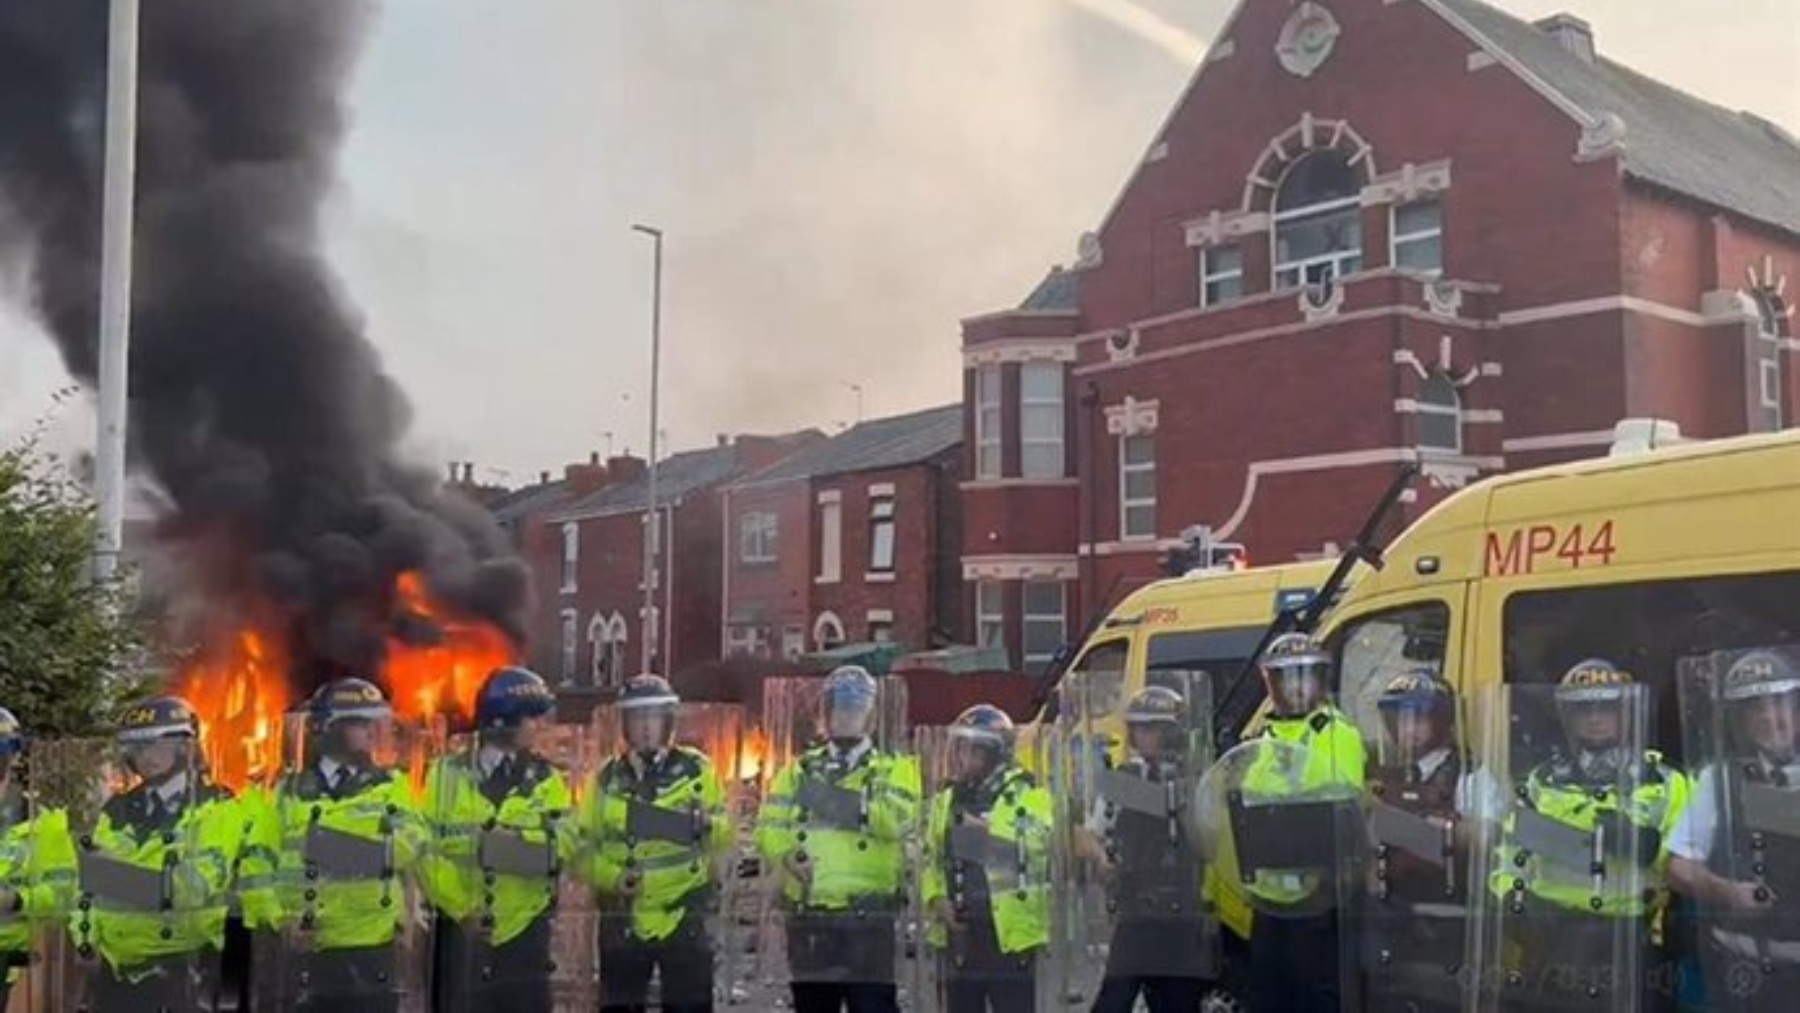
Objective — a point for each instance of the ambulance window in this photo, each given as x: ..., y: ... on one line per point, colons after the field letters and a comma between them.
x: 1647, y: 629
x: 1374, y: 649
x: 1107, y: 656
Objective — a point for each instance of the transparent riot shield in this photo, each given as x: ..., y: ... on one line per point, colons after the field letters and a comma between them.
x: 984, y: 888
x: 831, y: 832
x: 152, y: 845
x: 503, y: 829
x: 1283, y: 817
x: 1127, y: 855
x: 341, y: 919
x: 36, y: 869
x: 1570, y: 811
x: 1413, y: 918
x: 1741, y: 723
x: 655, y: 842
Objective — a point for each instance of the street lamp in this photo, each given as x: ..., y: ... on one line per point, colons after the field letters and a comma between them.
x: 856, y: 388
x: 118, y: 200
x: 652, y: 526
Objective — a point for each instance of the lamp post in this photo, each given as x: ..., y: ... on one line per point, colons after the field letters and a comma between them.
x: 115, y: 284
x: 652, y: 526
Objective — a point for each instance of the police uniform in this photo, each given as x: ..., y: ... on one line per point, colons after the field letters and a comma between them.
x: 37, y: 862
x: 843, y: 886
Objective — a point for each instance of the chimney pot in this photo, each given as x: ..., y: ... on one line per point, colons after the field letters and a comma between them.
x: 469, y: 472
x: 1571, y: 33
x: 593, y: 457
x: 543, y: 478
x: 724, y: 439
x: 452, y: 472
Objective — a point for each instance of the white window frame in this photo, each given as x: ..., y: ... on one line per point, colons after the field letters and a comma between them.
x: 881, y: 632
x: 990, y: 615
x: 608, y: 636
x: 831, y: 542
x: 1036, y: 661
x: 990, y: 421
x: 829, y: 621
x: 1210, y: 275
x: 1044, y: 406
x: 1425, y: 407
x: 1126, y: 501
x: 571, y: 631
x: 883, y: 516
x: 1397, y: 239
x: 1771, y: 313
x: 758, y: 537
x: 571, y: 557
x: 1322, y: 267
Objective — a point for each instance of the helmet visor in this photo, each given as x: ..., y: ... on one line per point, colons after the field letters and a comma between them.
x: 649, y: 727
x: 1295, y: 688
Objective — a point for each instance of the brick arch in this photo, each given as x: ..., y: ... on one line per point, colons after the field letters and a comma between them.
x: 1296, y: 142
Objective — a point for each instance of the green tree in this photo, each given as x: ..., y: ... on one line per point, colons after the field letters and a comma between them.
x: 67, y: 643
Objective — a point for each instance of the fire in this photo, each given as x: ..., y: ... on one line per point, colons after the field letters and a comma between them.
x: 441, y: 679
x: 751, y: 755
x: 239, y: 691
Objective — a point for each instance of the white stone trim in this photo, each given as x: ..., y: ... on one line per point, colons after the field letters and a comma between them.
x: 881, y: 489
x: 1292, y: 465
x: 1293, y: 59
x: 1558, y: 441
x: 1020, y: 567
x: 1512, y: 63
x: 880, y: 577
x: 1224, y: 49
x: 879, y: 616
x: 974, y: 484
x: 1605, y: 304
x: 991, y: 315
x: 1483, y: 416
x: 829, y: 496
x: 1020, y: 350
x: 1408, y: 183
x: 1157, y: 152
x: 1481, y: 59
x: 1129, y: 547
x: 823, y: 619
x: 1218, y: 228
x: 1311, y: 131
x: 1132, y: 417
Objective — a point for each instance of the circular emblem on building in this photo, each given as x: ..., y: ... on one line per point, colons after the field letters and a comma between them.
x: 1307, y: 39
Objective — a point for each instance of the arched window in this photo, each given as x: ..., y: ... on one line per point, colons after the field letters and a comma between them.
x: 828, y: 631
x: 608, y: 636
x: 1440, y: 414
x: 1771, y: 373
x: 1318, y: 221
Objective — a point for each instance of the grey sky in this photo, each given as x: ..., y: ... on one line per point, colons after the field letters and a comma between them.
x: 841, y: 181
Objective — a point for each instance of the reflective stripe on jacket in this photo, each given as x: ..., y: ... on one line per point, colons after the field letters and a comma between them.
x: 536, y: 807
x: 863, y: 857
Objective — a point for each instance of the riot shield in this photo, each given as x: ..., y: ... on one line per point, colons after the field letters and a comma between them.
x: 984, y: 888
x: 654, y: 846
x: 1126, y: 852
x: 502, y: 819
x: 340, y: 918
x: 1412, y: 920
x: 1570, y: 821
x: 152, y: 845
x: 1741, y: 723
x: 37, y: 863
x: 831, y: 831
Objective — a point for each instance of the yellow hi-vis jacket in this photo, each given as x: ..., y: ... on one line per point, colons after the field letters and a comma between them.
x: 377, y: 805
x: 37, y: 864
x: 534, y: 803
x: 1019, y: 814
x: 674, y: 865
x: 853, y: 855
x: 1334, y: 758
x: 195, y: 852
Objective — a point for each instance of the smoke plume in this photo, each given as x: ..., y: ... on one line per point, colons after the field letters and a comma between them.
x: 258, y: 405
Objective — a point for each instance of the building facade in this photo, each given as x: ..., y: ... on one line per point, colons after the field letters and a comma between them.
x: 854, y: 539
x: 1371, y: 233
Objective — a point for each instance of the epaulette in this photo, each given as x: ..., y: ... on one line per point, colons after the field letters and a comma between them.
x: 1320, y: 721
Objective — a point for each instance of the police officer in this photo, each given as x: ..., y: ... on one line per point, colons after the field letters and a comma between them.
x: 1575, y: 926
x: 1417, y: 916
x: 1746, y: 881
x: 37, y: 860
x: 1161, y: 940
x: 177, y: 835
x: 1302, y: 717
x: 344, y: 836
x: 986, y: 870
x: 494, y: 926
x: 842, y: 865
x: 654, y: 828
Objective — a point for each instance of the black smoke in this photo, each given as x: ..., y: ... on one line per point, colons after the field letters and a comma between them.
x: 258, y: 404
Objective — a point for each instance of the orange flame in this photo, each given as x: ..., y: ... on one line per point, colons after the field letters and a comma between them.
x: 239, y: 692
x: 441, y: 679
x: 751, y: 755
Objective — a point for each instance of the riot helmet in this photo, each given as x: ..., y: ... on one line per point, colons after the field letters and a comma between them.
x: 511, y: 706
x: 1156, y: 723
x: 1762, y: 691
x: 1417, y: 713
x: 847, y: 706
x: 1296, y: 672
x: 347, y: 717
x: 647, y: 707
x: 12, y: 740
x: 156, y: 738
x: 1594, y: 701
x: 981, y: 741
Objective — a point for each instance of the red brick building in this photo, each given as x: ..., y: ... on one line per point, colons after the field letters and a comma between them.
x: 852, y: 539
x: 587, y: 561
x: 1371, y: 232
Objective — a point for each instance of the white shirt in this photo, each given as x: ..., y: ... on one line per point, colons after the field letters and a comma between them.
x: 172, y: 793
x: 1698, y: 824
x: 488, y: 759
x: 852, y: 756
x: 329, y: 769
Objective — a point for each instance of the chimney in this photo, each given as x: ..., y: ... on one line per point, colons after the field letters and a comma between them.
x: 626, y: 468
x: 1570, y: 32
x: 468, y: 472
x: 543, y: 478
x: 724, y: 440
x: 586, y: 479
x: 452, y: 472
x: 594, y: 457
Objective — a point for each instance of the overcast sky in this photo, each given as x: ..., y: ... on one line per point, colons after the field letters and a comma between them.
x: 841, y: 181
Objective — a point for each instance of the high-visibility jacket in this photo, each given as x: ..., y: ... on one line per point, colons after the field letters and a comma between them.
x: 852, y: 857
x: 1016, y: 873
x: 197, y: 848
x: 460, y: 803
x: 1335, y: 758
x: 375, y: 804
x: 1555, y: 790
x: 37, y: 864
x: 674, y: 873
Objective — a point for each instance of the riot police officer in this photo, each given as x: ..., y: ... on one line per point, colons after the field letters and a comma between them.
x: 653, y: 829
x: 497, y: 809
x: 1162, y: 939
x: 986, y: 877
x: 834, y: 824
x: 37, y: 860
x: 1736, y: 848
